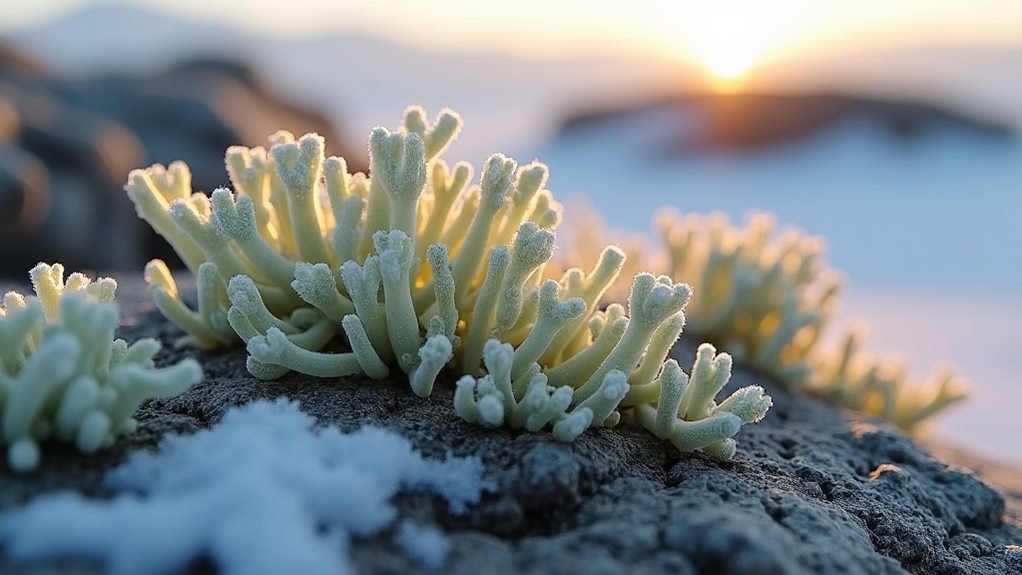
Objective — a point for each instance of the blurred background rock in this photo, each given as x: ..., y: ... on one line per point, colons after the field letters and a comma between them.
x: 67, y: 145
x: 749, y: 122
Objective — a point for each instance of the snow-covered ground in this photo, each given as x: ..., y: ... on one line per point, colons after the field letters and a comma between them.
x: 926, y: 230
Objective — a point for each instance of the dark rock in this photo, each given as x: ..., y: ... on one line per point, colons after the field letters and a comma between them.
x: 24, y: 192
x: 751, y: 121
x: 812, y: 489
x: 67, y: 145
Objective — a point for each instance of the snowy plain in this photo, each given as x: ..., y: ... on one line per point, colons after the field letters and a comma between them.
x: 927, y: 231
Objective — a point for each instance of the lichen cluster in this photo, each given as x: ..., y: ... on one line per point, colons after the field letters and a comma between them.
x: 421, y: 271
x: 860, y: 381
x: 763, y: 298
x: 62, y: 373
x: 767, y: 298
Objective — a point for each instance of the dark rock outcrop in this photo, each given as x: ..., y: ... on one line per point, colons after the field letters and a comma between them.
x: 751, y: 121
x: 67, y: 145
x: 812, y: 489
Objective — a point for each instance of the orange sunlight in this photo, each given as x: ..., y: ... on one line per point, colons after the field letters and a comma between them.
x: 729, y: 39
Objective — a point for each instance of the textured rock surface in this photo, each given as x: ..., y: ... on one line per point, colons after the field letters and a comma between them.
x: 811, y: 490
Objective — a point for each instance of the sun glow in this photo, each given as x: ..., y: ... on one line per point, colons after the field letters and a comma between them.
x: 729, y: 38
x: 729, y: 54
x: 728, y: 64
x: 730, y: 41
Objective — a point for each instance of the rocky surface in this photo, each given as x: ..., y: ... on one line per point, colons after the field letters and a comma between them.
x: 812, y: 489
x: 67, y: 144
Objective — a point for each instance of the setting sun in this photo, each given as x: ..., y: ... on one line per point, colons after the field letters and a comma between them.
x: 729, y: 40
x: 728, y: 63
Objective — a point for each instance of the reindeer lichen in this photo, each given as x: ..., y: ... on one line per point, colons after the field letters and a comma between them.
x: 62, y: 373
x: 420, y: 271
x: 882, y: 388
x: 767, y: 299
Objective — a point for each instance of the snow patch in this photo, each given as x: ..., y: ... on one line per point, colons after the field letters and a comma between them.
x: 423, y: 544
x: 262, y: 492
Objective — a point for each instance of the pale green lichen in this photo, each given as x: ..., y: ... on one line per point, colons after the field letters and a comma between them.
x: 62, y: 373
x: 767, y: 299
x: 883, y: 388
x: 421, y: 271
x: 764, y: 299
x: 686, y: 413
x: 772, y: 300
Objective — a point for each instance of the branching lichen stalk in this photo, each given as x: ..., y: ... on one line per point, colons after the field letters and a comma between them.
x: 419, y: 270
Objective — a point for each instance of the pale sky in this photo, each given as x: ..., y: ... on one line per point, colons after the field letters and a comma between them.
x: 727, y: 35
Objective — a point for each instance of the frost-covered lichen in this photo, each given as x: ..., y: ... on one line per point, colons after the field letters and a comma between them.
x: 764, y: 298
x: 686, y: 413
x: 767, y: 299
x: 62, y: 373
x: 420, y: 270
x: 882, y: 388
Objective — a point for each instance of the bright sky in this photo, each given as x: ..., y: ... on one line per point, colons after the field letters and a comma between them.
x: 726, y: 36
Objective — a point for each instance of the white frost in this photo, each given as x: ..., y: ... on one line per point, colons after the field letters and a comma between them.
x: 262, y: 492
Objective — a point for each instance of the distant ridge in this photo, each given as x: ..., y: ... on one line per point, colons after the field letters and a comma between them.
x: 516, y: 102
x: 750, y: 121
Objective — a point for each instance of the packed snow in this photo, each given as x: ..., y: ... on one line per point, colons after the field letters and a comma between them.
x: 263, y: 492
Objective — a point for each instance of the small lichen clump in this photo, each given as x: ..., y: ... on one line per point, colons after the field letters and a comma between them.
x: 62, y: 373
x: 860, y: 381
x: 764, y: 299
x: 421, y: 271
x: 767, y: 299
